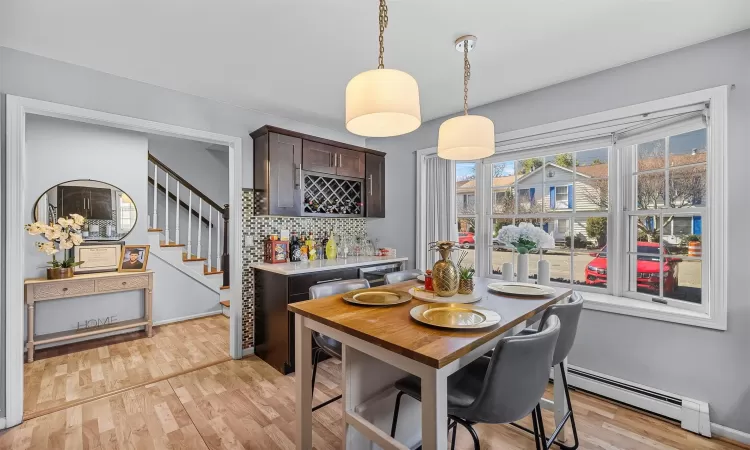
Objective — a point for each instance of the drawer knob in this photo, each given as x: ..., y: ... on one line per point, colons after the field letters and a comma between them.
x: 124, y: 283
x: 65, y: 289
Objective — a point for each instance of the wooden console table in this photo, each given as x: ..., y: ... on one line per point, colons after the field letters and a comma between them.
x: 40, y: 289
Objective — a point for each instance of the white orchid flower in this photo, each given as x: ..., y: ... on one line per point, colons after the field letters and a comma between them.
x: 47, y: 247
x: 53, y: 233
x: 66, y: 244
x: 36, y: 228
x: 76, y: 238
x: 65, y: 222
x: 78, y: 220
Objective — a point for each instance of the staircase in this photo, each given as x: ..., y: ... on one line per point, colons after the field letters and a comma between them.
x: 188, y: 230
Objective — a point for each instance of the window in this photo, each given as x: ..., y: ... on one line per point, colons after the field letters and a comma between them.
x: 638, y: 225
x: 466, y: 214
x: 666, y: 203
x: 574, y: 211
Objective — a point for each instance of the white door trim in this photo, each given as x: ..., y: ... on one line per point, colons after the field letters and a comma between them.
x: 16, y: 110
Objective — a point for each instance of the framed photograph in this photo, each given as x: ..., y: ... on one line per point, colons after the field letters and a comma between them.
x: 98, y: 256
x: 134, y: 258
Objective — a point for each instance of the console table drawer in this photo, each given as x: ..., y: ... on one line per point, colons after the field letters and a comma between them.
x: 71, y: 288
x: 122, y: 284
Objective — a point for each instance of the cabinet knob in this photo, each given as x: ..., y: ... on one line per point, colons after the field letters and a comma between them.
x: 65, y: 289
x: 124, y: 283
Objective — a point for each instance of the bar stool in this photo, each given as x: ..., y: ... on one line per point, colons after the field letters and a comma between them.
x: 568, y: 313
x: 501, y: 388
x: 404, y: 275
x: 326, y: 345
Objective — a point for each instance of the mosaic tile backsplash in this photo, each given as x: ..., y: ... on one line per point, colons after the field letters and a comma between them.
x: 260, y: 227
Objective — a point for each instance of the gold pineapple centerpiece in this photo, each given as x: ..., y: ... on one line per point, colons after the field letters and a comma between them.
x: 444, y: 272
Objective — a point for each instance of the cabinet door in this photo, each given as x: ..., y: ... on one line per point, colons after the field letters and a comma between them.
x: 318, y: 157
x: 72, y: 200
x: 350, y: 163
x: 101, y: 203
x: 375, y: 186
x: 285, y: 175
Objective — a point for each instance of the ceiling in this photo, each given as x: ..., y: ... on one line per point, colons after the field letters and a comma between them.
x: 294, y: 58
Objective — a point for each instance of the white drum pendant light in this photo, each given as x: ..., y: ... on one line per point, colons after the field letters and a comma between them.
x: 466, y: 137
x: 382, y: 102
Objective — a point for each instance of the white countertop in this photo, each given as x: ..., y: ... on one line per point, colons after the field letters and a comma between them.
x: 295, y: 268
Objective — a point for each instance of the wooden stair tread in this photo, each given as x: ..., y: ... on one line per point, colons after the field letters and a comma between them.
x: 224, y: 288
x: 162, y: 244
x: 193, y: 259
x: 155, y: 230
x: 215, y: 272
x: 225, y: 303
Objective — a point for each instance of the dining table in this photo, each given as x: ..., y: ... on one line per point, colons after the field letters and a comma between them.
x: 381, y: 344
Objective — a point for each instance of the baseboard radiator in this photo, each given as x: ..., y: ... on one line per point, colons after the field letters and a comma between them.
x: 692, y: 414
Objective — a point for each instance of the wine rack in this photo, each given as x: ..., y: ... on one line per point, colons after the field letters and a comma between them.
x: 332, y: 197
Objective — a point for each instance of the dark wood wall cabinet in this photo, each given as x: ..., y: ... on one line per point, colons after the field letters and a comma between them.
x: 297, y: 174
x: 89, y: 202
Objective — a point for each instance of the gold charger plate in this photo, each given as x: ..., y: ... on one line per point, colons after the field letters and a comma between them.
x: 377, y: 297
x: 522, y: 289
x: 455, y: 316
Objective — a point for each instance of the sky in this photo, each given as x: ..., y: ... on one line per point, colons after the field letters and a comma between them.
x: 680, y: 144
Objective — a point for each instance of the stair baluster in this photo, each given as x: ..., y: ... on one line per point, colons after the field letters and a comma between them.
x: 208, y: 258
x: 190, y: 225
x: 218, y: 240
x: 166, y: 208
x: 200, y: 231
x: 225, y: 255
x: 155, y: 223
x: 177, y: 214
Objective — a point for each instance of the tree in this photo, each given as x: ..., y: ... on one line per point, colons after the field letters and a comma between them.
x: 596, y: 228
x: 564, y: 160
x: 531, y: 164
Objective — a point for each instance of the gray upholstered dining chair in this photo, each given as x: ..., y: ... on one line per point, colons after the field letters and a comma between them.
x: 326, y: 345
x: 569, y: 314
x: 501, y: 388
x: 404, y: 275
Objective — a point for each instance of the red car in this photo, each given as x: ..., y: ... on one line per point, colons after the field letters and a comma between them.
x: 647, y: 268
x: 466, y: 239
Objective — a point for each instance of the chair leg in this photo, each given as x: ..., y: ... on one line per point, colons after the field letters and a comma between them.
x: 570, y: 409
x: 536, y: 430
x: 542, y: 435
x: 316, y: 354
x: 395, y: 413
x: 470, y: 429
x: 455, y: 431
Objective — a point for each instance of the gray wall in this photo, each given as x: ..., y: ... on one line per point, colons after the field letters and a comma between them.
x: 703, y: 364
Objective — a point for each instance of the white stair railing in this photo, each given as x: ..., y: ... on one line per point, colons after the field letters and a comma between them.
x: 208, y: 258
x: 177, y: 214
x: 189, y: 249
x: 156, y: 184
x: 200, y: 215
x: 166, y: 208
x: 218, y: 240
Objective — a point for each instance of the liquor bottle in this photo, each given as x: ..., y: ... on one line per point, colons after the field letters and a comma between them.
x: 331, y: 250
x: 311, y: 255
x: 323, y: 246
x: 294, y: 249
x: 85, y: 230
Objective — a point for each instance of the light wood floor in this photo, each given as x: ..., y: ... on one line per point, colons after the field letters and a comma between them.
x: 60, y: 380
x: 248, y: 405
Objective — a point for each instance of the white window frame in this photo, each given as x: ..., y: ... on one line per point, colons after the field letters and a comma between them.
x: 713, y: 313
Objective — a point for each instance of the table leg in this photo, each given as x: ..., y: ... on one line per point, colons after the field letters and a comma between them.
x: 30, y: 333
x: 148, y: 307
x: 561, y: 406
x: 435, y: 410
x: 303, y: 383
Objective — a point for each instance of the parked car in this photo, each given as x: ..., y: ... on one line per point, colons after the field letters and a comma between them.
x: 466, y: 239
x: 647, y: 268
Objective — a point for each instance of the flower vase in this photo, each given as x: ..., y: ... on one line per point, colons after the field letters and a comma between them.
x: 466, y: 286
x: 543, y: 273
x: 445, y: 273
x: 522, y: 271
x: 59, y: 273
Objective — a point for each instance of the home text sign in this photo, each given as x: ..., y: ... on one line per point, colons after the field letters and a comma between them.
x: 95, y: 323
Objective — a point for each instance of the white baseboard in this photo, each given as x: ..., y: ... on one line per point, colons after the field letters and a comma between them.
x: 248, y: 351
x: 3, y: 423
x: 692, y: 414
x: 193, y: 316
x: 730, y: 433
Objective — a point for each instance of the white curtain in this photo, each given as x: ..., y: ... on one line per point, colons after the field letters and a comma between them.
x: 439, y: 217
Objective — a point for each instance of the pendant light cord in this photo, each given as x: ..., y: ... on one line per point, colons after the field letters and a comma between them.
x: 467, y: 76
x: 383, y: 19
